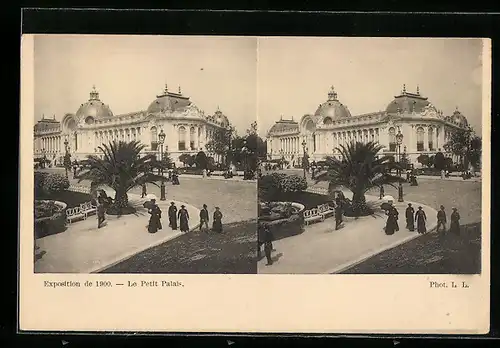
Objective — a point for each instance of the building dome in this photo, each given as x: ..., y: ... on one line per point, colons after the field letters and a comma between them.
x: 93, y: 109
x: 459, y: 119
x: 407, y: 103
x: 168, y: 101
x: 219, y: 118
x: 332, y: 109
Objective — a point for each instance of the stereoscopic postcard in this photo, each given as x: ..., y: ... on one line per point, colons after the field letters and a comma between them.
x: 255, y: 184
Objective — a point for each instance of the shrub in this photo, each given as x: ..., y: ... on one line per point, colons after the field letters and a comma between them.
x: 45, y: 209
x: 276, y: 184
x: 55, y: 183
x: 39, y: 182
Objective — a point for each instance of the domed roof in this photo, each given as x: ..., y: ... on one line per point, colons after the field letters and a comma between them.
x: 459, y: 119
x: 94, y: 107
x: 219, y: 118
x: 284, y: 125
x: 332, y: 108
x: 168, y: 101
x: 407, y: 102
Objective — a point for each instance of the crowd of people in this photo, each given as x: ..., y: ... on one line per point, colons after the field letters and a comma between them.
x: 179, y: 218
x: 419, y: 218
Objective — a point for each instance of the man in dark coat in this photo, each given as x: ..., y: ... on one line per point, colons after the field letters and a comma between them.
x: 410, y: 222
x: 455, y: 222
x: 172, y: 216
x: 268, y: 244
x: 382, y: 193
x: 338, y: 215
x: 144, y: 191
x: 204, y: 218
x: 441, y: 218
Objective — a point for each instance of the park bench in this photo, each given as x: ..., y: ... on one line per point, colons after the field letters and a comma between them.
x: 88, y: 208
x: 74, y: 214
x: 326, y: 210
x: 312, y: 215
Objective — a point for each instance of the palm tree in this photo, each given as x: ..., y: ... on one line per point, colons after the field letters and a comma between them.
x: 360, y: 169
x: 121, y: 168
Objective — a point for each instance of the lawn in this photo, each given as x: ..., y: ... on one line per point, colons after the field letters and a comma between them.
x: 433, y: 253
x: 232, y: 252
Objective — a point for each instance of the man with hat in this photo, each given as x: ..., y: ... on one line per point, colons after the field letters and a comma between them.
x: 204, y: 218
x: 172, y: 216
x: 441, y: 218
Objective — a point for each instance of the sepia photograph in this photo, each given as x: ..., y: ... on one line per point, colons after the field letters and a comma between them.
x: 373, y: 155
x: 184, y: 183
x: 145, y: 154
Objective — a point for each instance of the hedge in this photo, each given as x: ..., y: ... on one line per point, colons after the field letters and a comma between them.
x: 49, y: 183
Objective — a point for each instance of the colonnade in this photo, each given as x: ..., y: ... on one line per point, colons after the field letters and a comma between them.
x: 51, y: 144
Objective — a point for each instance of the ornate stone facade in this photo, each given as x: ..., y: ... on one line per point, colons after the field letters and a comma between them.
x: 187, y: 128
x: 424, y: 128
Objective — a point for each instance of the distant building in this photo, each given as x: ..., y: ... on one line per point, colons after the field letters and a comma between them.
x: 424, y: 128
x: 187, y: 128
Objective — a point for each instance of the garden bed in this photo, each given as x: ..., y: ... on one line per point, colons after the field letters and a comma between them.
x: 284, y: 219
x: 50, y: 217
x: 72, y: 199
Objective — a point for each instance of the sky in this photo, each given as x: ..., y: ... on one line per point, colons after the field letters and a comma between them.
x: 255, y: 78
x: 129, y: 71
x: 295, y: 74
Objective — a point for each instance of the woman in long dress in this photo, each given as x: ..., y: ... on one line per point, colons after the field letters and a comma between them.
x: 421, y: 219
x: 155, y: 219
x: 172, y: 216
x: 392, y: 221
x: 217, y: 222
x: 183, y: 219
x: 410, y: 223
x: 455, y: 222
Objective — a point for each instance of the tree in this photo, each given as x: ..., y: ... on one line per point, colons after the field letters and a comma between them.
x: 67, y: 163
x: 186, y: 159
x: 201, y: 160
x: 439, y: 161
x: 466, y: 145
x: 360, y: 169
x: 220, y: 141
x: 423, y: 160
x: 166, y: 161
x: 122, y: 169
x: 475, y: 152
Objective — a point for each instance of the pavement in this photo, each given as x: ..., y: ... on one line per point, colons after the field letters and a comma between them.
x: 83, y: 248
x: 321, y: 249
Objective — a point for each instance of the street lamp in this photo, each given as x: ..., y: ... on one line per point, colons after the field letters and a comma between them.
x: 161, y: 140
x: 399, y: 141
x: 304, y: 157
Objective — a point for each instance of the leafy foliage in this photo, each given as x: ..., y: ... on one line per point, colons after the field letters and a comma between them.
x: 201, y: 160
x: 439, y: 161
x: 45, y: 209
x: 360, y: 169
x: 122, y: 169
x: 187, y: 159
x: 279, y: 184
x: 55, y: 183
x: 465, y: 144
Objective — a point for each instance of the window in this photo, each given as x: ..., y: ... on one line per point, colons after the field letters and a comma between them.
x: 420, y: 139
x: 154, y: 138
x: 431, y: 135
x: 392, y: 139
x: 182, y: 139
x: 192, y: 133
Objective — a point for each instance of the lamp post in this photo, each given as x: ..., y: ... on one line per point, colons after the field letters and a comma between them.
x: 66, y: 149
x: 161, y: 140
x: 399, y: 140
x: 244, y: 150
x: 304, y: 157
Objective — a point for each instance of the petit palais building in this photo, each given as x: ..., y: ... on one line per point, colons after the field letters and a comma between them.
x: 423, y: 127
x: 187, y: 128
